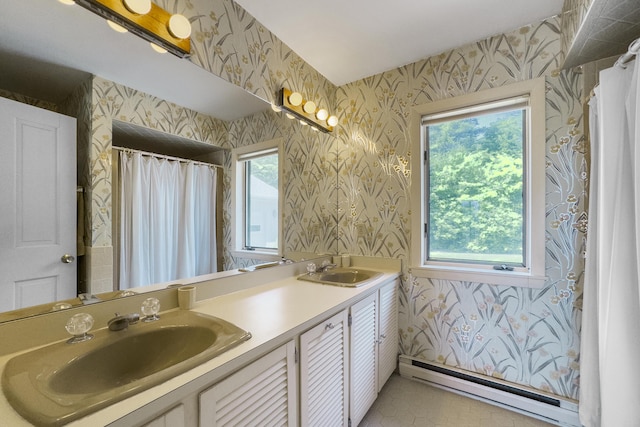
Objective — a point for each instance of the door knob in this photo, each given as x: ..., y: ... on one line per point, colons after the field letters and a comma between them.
x: 67, y: 259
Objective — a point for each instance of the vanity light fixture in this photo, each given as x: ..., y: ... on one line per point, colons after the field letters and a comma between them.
x: 306, y: 111
x: 140, y: 7
x: 157, y: 48
x: 116, y: 27
x: 147, y: 20
x: 295, y: 99
x: 322, y: 114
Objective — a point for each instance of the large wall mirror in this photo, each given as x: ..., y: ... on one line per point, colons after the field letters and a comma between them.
x: 47, y: 60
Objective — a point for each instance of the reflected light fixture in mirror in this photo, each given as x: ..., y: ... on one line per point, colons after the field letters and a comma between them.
x: 306, y: 111
x: 171, y: 32
x: 295, y: 99
x: 322, y: 114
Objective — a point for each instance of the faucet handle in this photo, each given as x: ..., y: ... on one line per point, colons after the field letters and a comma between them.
x: 78, y: 326
x: 150, y: 308
x: 311, y: 268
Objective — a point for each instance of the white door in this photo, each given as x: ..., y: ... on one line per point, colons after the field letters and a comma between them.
x: 37, y: 205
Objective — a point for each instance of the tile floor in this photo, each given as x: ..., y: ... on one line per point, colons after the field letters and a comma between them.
x: 405, y: 402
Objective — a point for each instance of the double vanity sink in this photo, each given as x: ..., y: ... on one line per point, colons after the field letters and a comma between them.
x: 61, y: 382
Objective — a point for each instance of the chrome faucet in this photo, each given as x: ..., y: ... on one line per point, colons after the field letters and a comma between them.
x: 326, y: 265
x: 119, y: 322
x: 87, y: 298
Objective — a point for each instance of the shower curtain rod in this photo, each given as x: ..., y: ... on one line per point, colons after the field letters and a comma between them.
x: 162, y: 156
x: 634, y: 48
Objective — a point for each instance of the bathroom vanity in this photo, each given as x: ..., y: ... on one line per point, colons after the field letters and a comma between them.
x: 316, y: 352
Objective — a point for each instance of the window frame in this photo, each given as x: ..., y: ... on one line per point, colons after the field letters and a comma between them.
x: 239, y: 199
x: 533, y: 274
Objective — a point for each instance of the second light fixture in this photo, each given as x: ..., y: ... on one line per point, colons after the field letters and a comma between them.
x: 307, y: 111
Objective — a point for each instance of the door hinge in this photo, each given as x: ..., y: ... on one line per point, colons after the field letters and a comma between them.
x: 425, y: 155
x: 349, y: 422
x: 349, y: 320
x: 426, y: 228
x: 295, y: 355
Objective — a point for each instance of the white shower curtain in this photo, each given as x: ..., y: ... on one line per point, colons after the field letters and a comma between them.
x: 610, y: 346
x: 168, y: 229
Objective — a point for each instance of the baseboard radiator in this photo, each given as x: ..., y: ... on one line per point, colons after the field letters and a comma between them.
x: 552, y: 409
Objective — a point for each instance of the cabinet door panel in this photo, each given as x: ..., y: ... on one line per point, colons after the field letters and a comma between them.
x: 363, y: 360
x: 324, y: 373
x: 388, y: 334
x: 263, y: 393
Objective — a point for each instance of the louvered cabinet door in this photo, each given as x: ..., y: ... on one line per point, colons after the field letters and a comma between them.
x: 363, y: 358
x: 261, y: 394
x: 388, y: 332
x: 324, y: 373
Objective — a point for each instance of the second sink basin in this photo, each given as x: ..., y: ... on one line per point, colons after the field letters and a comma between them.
x: 349, y: 277
x: 62, y: 382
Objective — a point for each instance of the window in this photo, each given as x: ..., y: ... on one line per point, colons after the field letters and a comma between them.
x: 481, y: 187
x: 257, y: 183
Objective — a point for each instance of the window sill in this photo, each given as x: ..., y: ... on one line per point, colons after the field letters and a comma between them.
x: 261, y: 255
x: 491, y: 277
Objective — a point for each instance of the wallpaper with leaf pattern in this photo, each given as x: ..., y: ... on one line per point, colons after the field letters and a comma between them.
x: 526, y: 336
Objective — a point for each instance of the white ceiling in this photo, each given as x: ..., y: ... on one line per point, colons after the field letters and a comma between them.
x: 346, y: 40
x: 46, y: 48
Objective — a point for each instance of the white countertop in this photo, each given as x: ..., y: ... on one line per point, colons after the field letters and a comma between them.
x: 274, y: 313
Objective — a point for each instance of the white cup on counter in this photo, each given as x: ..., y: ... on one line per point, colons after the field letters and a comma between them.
x: 186, y: 297
x: 346, y: 260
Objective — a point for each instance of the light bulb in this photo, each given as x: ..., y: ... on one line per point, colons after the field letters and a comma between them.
x: 322, y: 114
x: 67, y: 2
x: 116, y: 27
x: 309, y: 107
x: 275, y: 108
x: 141, y: 7
x: 295, y: 99
x: 332, y: 121
x: 179, y: 26
x: 303, y: 123
x: 157, y: 48
x: 290, y: 116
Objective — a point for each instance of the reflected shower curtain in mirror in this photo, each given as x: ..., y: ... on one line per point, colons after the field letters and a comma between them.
x: 610, y: 340
x: 168, y: 229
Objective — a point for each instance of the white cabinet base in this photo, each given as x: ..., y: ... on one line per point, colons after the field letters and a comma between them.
x: 262, y: 394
